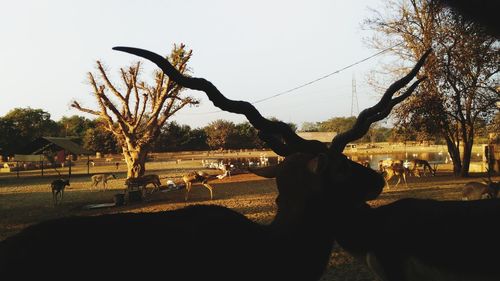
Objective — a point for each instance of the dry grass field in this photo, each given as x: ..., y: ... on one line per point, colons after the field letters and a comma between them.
x: 28, y: 200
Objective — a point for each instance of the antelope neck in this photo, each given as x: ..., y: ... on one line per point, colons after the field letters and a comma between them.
x: 308, y: 218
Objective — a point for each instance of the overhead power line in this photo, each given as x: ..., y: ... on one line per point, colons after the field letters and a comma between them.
x: 312, y: 81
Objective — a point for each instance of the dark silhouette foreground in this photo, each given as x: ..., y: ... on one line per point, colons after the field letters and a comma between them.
x: 322, y: 197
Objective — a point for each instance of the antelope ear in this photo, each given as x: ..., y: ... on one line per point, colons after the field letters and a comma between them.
x: 319, y: 164
x: 266, y: 172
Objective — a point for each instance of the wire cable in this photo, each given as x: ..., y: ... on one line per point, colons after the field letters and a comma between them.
x: 312, y: 81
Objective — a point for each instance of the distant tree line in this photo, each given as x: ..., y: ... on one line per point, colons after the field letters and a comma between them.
x: 20, y: 126
x: 410, y: 133
x: 376, y: 133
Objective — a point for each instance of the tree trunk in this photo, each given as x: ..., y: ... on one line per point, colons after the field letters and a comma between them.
x: 136, y: 161
x: 455, y: 156
x: 466, y: 161
x: 467, y: 156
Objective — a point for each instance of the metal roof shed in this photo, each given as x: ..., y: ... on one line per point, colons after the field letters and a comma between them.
x: 50, y: 143
x: 41, y: 144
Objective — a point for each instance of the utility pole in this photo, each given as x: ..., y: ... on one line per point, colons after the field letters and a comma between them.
x: 354, y: 97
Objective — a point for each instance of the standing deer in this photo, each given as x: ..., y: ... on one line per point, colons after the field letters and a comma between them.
x: 57, y: 187
x: 425, y: 166
x: 319, y: 190
x: 101, y: 178
x: 194, y: 177
x: 144, y: 181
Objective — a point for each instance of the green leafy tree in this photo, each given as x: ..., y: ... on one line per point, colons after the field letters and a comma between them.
x: 309, y: 127
x: 337, y: 124
x: 75, y: 126
x: 376, y: 133
x: 173, y: 137
x: 221, y: 134
x: 382, y: 134
x: 27, y: 124
x: 9, y: 136
x: 99, y: 139
x: 197, y: 140
x: 247, y: 136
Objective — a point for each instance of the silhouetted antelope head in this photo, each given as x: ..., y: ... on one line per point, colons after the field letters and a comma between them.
x: 310, y: 167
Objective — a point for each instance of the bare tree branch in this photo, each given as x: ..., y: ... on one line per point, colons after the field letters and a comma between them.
x: 241, y: 107
x: 141, y: 114
x: 379, y: 110
x: 129, y: 85
x: 172, y: 110
x: 76, y: 105
x: 114, y: 91
x: 105, y: 104
x: 134, y: 133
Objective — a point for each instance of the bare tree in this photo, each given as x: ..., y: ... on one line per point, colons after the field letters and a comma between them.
x: 461, y: 91
x: 136, y: 114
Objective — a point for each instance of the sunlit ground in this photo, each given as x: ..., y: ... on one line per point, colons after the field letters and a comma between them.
x: 28, y: 200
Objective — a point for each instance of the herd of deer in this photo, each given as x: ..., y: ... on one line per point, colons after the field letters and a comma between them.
x: 322, y: 199
x: 58, y: 185
x: 397, y: 168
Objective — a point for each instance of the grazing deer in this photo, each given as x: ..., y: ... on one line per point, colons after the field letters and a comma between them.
x: 317, y: 187
x: 57, y: 187
x: 101, y: 178
x: 425, y: 166
x: 396, y: 169
x: 144, y: 181
x: 194, y: 177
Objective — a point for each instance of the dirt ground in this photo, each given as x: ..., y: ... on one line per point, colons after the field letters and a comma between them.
x: 26, y: 201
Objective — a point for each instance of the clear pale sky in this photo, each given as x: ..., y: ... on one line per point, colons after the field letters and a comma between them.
x: 248, y: 49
